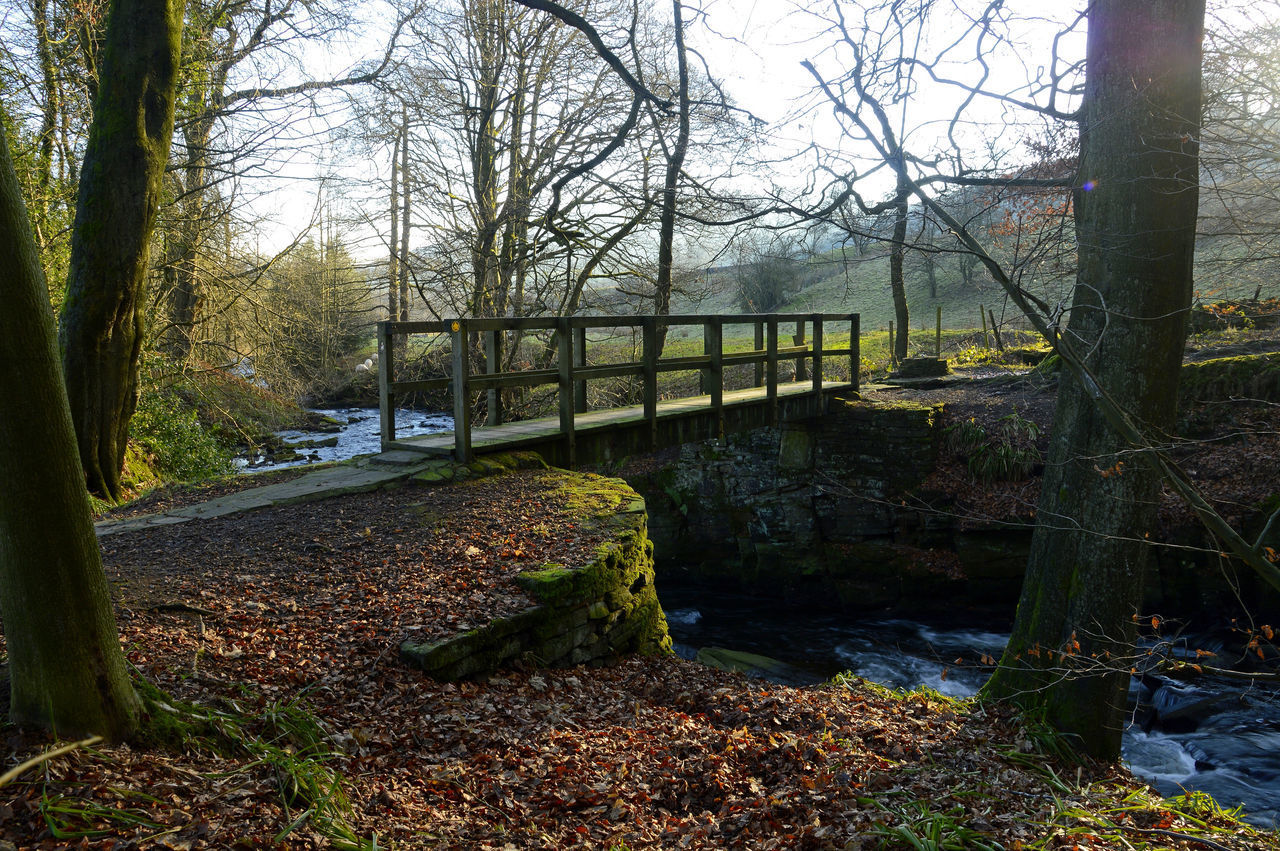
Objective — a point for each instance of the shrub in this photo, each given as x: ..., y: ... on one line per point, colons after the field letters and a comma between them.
x: 1007, y: 453
x: 181, y: 448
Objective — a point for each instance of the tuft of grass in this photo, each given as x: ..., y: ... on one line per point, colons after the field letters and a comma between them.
x: 920, y: 827
x: 1006, y: 453
x: 283, y: 736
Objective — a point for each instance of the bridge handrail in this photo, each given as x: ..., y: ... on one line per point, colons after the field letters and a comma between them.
x: 571, y: 371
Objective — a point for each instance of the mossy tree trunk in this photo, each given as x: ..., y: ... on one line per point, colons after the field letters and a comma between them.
x: 1135, y: 216
x: 103, y: 323
x: 65, y: 666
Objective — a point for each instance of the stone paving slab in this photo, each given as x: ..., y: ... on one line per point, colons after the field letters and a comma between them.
x: 363, y: 475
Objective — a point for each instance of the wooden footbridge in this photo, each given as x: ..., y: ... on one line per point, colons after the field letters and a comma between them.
x: 781, y: 381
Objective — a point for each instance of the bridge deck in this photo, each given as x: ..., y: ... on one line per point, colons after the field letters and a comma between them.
x: 546, y: 431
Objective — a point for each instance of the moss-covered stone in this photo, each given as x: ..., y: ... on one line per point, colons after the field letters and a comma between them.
x: 550, y: 583
x: 442, y: 472
x: 1221, y: 379
x: 589, y: 613
x: 795, y: 449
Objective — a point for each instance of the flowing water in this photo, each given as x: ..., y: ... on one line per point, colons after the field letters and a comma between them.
x: 1216, y: 736
x: 356, y: 433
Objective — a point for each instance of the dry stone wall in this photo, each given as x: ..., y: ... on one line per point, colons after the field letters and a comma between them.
x: 828, y: 510
x: 583, y: 614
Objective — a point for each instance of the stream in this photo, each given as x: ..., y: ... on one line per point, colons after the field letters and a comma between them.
x: 1216, y: 736
x: 356, y: 433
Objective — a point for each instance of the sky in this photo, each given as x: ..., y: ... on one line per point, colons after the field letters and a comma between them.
x: 755, y: 47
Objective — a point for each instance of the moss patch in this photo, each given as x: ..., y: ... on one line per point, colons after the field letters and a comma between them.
x: 445, y: 472
x: 1221, y: 379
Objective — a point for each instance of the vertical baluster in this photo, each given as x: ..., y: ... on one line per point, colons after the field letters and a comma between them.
x: 817, y: 362
x: 771, y: 367
x: 798, y: 340
x: 386, y: 372
x: 855, y: 350
x: 564, y: 359
x: 759, y: 344
x: 714, y: 331
x: 461, y: 392
x: 649, y: 326
x: 493, y: 364
x: 580, y: 359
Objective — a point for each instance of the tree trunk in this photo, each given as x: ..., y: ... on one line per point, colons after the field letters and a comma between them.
x: 102, y: 318
x: 1135, y: 218
x: 675, y: 163
x: 65, y: 666
x: 405, y: 210
x: 897, y: 282
x: 50, y: 90
x: 393, y: 260
x: 187, y: 295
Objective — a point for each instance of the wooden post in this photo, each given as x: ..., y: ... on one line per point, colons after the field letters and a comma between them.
x: 759, y: 344
x: 892, y: 360
x: 704, y: 376
x: 649, y: 359
x: 564, y: 341
x: 798, y: 340
x: 714, y: 343
x: 386, y: 372
x: 492, y: 364
x: 995, y: 331
x: 580, y: 359
x: 771, y: 367
x: 855, y: 351
x: 461, y: 392
x: 982, y: 314
x: 937, y: 345
x: 817, y: 362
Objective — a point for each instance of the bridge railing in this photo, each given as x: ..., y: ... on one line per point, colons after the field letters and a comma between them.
x: 571, y: 370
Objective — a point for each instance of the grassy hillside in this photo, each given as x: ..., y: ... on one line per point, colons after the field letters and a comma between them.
x: 862, y: 285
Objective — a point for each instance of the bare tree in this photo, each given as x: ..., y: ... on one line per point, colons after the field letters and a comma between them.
x: 1135, y: 205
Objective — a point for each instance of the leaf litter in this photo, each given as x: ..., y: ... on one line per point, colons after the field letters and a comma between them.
x: 292, y: 617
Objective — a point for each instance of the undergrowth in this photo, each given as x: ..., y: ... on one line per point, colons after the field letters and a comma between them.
x: 281, y: 737
x: 1006, y: 452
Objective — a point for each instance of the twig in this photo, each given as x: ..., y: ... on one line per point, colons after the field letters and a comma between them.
x: 185, y: 608
x: 12, y: 774
x: 1185, y: 837
x: 1184, y: 667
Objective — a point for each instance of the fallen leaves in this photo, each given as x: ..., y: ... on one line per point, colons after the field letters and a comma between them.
x: 650, y: 753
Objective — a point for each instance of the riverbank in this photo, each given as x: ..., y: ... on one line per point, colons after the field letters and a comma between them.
x: 284, y: 625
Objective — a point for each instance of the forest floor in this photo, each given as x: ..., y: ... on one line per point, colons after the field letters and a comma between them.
x: 274, y: 634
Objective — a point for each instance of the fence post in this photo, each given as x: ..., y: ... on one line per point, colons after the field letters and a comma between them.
x: 937, y: 345
x: 493, y: 364
x: 714, y: 333
x: 564, y: 363
x: 855, y: 351
x: 461, y: 392
x: 386, y: 371
x: 771, y: 367
x: 817, y: 362
x: 704, y: 375
x: 580, y: 359
x: 649, y: 358
x: 759, y: 344
x: 798, y: 340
